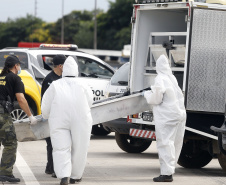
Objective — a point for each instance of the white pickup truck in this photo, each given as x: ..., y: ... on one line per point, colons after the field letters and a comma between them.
x: 37, y: 63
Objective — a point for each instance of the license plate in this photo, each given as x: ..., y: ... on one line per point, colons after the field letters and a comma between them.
x: 147, y: 116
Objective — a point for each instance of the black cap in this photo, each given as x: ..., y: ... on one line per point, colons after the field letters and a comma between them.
x: 12, y: 60
x: 59, y: 59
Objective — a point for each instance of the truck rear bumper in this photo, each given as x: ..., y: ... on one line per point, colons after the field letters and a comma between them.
x: 119, y: 125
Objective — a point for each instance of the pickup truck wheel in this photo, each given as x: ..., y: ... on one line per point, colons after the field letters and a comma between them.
x: 99, y: 130
x: 222, y: 160
x: 18, y: 113
x: 190, y: 159
x: 130, y: 144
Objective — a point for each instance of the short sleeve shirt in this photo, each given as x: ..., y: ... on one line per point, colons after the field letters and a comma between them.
x: 10, y: 84
x: 52, y: 76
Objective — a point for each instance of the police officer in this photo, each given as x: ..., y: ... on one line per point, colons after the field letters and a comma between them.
x: 56, y: 74
x: 11, y: 87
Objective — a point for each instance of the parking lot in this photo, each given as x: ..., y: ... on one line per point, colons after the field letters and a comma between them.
x: 108, y: 164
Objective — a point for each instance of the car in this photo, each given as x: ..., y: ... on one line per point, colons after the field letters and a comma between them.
x: 37, y: 63
x: 119, y: 81
x: 117, y: 86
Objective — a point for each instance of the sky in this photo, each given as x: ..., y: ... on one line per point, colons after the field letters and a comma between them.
x: 47, y: 10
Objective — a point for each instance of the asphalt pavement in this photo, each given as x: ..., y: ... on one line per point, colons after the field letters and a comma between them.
x: 107, y: 164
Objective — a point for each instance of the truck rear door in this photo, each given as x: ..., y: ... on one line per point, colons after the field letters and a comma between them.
x: 205, y: 75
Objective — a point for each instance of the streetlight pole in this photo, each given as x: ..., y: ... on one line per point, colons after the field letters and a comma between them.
x: 33, y: 19
x: 35, y: 8
x: 95, y: 26
x: 62, y: 24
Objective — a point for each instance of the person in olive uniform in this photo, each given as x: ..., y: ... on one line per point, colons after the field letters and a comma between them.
x: 56, y: 74
x: 11, y: 88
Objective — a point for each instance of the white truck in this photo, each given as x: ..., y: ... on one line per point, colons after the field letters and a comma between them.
x: 193, y: 36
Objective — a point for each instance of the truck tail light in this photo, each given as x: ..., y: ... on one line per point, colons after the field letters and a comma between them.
x: 135, y: 115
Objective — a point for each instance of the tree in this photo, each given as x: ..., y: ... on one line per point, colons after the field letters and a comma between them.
x: 41, y: 34
x: 14, y: 31
x: 84, y: 37
x: 114, y: 28
x: 71, y: 26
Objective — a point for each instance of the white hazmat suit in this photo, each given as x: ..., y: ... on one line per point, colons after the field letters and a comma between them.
x: 169, y: 115
x: 66, y: 103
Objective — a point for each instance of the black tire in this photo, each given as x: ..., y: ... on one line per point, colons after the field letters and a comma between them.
x: 189, y: 159
x: 98, y: 130
x: 18, y: 113
x: 222, y: 160
x: 220, y: 144
x: 130, y: 144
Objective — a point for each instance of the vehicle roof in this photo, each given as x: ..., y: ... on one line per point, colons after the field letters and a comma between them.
x: 46, y: 51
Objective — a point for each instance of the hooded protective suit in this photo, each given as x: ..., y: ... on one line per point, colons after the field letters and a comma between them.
x: 169, y: 115
x: 66, y: 104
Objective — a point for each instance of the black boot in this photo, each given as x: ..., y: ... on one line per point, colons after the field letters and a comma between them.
x: 54, y: 175
x: 48, y: 172
x: 163, y: 178
x: 64, y: 181
x: 73, y: 181
x: 9, y: 178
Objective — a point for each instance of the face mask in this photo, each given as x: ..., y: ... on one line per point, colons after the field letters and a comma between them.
x: 19, y: 71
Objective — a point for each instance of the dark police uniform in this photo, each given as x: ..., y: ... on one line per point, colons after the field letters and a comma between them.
x: 10, y: 84
x: 52, y: 76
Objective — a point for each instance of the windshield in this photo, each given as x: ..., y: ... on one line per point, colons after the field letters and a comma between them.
x: 120, y: 78
x: 91, y: 68
x: 22, y: 57
x: 87, y: 67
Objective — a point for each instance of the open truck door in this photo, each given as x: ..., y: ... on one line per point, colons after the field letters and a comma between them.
x: 204, y: 84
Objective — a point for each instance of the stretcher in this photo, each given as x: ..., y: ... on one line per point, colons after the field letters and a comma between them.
x: 103, y: 111
x: 27, y: 132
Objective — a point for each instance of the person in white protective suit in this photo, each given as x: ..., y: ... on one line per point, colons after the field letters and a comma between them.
x: 66, y: 103
x: 169, y: 116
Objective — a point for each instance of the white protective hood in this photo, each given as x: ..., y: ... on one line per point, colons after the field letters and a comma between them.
x: 162, y: 66
x: 169, y: 115
x: 70, y: 67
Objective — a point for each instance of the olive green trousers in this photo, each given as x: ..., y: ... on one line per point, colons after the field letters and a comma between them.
x: 9, y: 141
